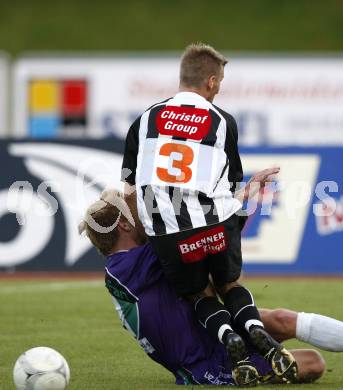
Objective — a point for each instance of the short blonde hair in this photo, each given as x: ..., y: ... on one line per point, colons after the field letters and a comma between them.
x: 198, y: 62
x: 101, y: 220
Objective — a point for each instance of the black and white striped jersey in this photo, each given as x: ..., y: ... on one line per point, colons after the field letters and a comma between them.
x: 182, y: 155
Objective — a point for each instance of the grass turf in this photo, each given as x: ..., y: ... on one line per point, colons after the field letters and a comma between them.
x: 77, y: 319
x: 257, y: 25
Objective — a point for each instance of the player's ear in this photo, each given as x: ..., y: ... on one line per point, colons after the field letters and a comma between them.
x: 212, y: 82
x: 125, y: 225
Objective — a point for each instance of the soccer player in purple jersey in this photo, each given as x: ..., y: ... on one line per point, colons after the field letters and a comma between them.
x: 165, y: 326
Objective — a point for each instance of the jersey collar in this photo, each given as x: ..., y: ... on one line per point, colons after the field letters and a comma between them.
x: 189, y: 95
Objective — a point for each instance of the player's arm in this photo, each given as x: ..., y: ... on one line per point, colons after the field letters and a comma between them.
x: 130, y: 197
x: 129, y: 166
x: 235, y: 174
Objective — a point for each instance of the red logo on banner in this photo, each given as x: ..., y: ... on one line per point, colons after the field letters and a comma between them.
x: 185, y: 122
x: 200, y: 245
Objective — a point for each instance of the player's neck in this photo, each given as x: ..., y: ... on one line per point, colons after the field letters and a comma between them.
x: 124, y: 244
x: 200, y: 91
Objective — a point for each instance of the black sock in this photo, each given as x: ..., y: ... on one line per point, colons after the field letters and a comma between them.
x: 240, y: 303
x: 213, y: 316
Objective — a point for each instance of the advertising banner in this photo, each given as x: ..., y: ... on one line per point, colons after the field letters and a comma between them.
x: 46, y: 186
x: 302, y: 231
x: 279, y: 101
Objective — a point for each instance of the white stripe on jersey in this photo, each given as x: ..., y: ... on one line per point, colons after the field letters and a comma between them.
x: 189, y: 98
x: 166, y: 209
x: 221, y: 132
x: 195, y: 211
x: 143, y: 129
x: 142, y: 212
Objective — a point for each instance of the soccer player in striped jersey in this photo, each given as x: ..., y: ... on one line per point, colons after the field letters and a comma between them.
x: 181, y: 157
x: 166, y: 327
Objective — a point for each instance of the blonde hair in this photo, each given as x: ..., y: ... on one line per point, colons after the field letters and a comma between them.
x: 198, y: 62
x: 101, y: 219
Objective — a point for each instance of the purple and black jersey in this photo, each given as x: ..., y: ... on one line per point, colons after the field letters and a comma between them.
x: 164, y: 325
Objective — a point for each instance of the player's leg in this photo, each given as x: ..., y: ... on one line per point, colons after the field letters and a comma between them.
x: 279, y: 323
x: 190, y: 279
x: 225, y: 270
x: 212, y: 314
x: 310, y: 363
x: 245, y: 316
x: 315, y: 329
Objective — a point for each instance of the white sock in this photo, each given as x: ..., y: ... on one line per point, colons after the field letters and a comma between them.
x: 320, y: 331
x: 249, y: 323
x: 222, y: 330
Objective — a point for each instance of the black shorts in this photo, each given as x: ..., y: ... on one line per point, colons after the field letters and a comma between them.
x: 189, y: 257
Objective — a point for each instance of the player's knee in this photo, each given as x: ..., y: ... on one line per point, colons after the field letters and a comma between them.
x: 222, y: 290
x: 318, y: 365
x: 207, y: 292
x: 314, y: 367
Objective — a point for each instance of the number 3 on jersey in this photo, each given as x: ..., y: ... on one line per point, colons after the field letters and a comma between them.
x: 180, y: 158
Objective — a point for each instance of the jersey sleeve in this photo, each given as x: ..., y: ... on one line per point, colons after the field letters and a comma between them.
x: 231, y: 150
x: 129, y: 166
x: 233, y: 127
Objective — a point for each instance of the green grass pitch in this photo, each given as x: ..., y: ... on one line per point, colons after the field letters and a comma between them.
x: 77, y: 318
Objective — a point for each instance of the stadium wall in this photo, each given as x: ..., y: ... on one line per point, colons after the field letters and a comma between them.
x: 45, y: 187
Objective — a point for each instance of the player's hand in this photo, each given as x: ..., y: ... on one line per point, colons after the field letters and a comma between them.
x: 265, y: 176
x: 256, y: 183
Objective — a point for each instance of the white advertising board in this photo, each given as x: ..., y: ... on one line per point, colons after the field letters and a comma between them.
x: 276, y: 101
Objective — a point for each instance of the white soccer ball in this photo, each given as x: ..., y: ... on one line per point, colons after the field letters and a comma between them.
x: 41, y: 368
